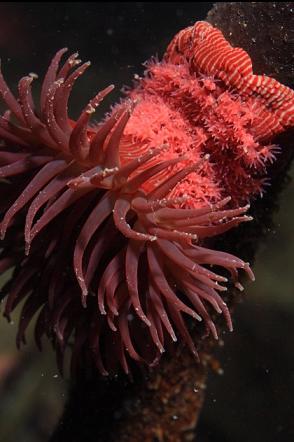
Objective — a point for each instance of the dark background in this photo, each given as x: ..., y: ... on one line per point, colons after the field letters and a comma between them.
x: 253, y: 399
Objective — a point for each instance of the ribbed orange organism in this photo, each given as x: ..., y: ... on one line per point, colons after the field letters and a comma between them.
x: 207, y: 51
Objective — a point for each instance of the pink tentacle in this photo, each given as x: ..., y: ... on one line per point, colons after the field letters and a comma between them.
x: 120, y: 211
x: 49, y: 171
x: 98, y: 215
x: 160, y: 281
x: 96, y: 152
x: 10, y: 100
x: 133, y: 254
x: 79, y: 143
x: 50, y: 77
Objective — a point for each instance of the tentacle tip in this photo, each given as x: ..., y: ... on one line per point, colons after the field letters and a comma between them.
x: 197, y: 317
x: 239, y: 286
x: 84, y: 301
x: 221, y: 288
x: 27, y: 247
x: 196, y: 355
x: 33, y: 76
x: 74, y: 60
x: 249, y: 271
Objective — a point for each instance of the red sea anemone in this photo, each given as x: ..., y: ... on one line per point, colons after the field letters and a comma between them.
x: 117, y: 215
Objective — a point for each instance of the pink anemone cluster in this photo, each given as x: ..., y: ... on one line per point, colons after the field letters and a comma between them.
x: 105, y: 226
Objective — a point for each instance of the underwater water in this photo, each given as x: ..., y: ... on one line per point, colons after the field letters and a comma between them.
x: 253, y: 399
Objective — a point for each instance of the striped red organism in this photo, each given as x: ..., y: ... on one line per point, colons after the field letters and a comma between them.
x: 207, y: 51
x: 115, y: 217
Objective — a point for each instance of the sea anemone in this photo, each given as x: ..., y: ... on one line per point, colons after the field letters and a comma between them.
x: 117, y: 215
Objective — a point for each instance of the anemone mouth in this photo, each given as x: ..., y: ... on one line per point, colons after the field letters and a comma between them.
x: 104, y: 260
